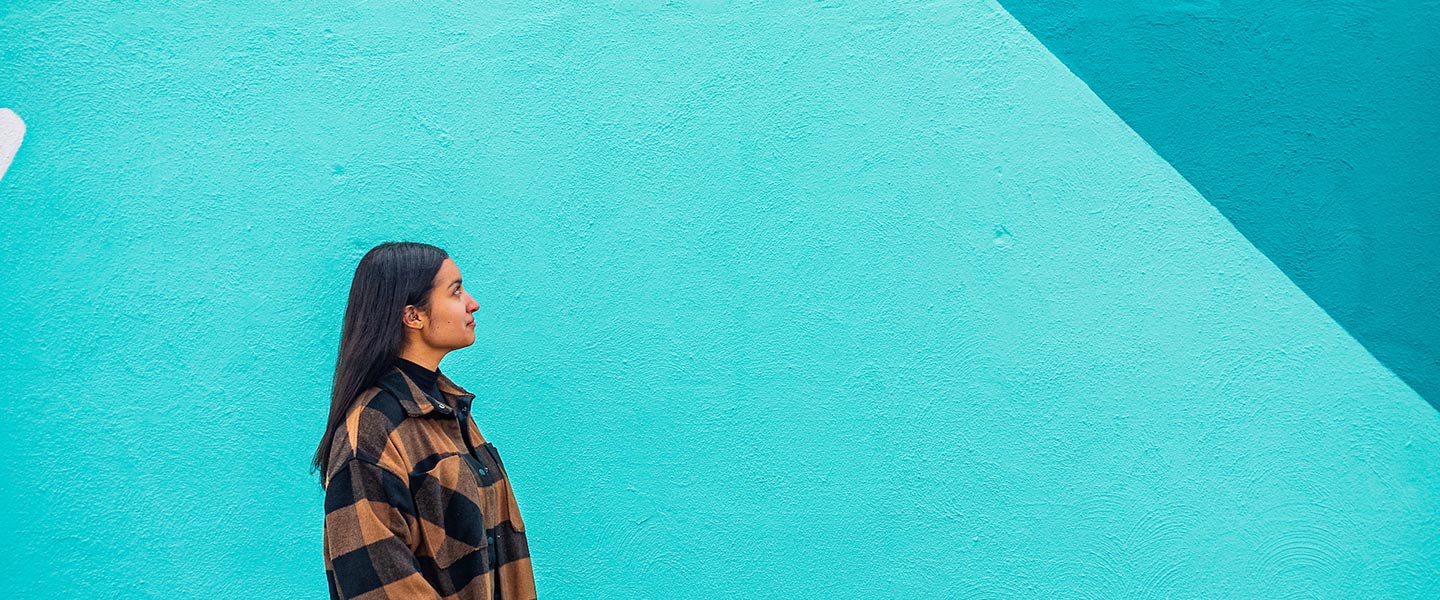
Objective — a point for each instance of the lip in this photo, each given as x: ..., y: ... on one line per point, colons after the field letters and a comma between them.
x: 470, y: 324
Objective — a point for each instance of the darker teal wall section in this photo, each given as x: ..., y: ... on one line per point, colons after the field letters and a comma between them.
x: 796, y: 300
x: 1313, y: 127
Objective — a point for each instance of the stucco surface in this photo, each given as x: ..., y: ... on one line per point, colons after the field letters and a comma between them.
x: 784, y: 300
x: 1313, y: 127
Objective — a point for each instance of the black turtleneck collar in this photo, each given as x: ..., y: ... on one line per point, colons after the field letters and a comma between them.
x: 423, y: 377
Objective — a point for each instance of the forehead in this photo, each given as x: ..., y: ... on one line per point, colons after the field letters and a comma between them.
x: 448, y: 273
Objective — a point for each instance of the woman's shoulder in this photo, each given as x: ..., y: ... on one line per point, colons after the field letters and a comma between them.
x: 369, y: 430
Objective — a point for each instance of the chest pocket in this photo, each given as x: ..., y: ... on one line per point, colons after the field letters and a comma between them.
x: 510, y: 511
x: 451, y: 505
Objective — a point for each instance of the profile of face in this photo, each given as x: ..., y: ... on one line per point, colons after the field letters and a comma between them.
x: 447, y: 323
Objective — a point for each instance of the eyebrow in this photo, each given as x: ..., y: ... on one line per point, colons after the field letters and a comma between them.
x: 455, y: 283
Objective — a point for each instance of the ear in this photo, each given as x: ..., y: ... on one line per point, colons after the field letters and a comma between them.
x: 413, y: 318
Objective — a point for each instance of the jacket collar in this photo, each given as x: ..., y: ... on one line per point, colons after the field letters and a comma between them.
x: 416, y: 403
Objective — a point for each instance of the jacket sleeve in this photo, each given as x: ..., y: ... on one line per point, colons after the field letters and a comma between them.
x: 368, y: 517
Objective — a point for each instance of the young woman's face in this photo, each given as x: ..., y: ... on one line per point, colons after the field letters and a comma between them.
x: 450, y: 324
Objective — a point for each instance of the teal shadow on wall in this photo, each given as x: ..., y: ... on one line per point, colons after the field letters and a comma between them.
x: 1312, y: 127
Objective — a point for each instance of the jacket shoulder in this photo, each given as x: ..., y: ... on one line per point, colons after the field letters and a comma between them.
x: 368, y: 430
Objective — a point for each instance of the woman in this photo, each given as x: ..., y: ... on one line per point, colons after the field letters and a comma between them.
x: 417, y: 503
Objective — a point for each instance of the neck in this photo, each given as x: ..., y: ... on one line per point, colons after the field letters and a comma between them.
x: 425, y: 357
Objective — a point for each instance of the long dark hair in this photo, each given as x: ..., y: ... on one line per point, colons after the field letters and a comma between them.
x: 389, y: 277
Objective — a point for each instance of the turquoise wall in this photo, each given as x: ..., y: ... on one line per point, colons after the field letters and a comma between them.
x: 1311, y: 126
x: 783, y: 300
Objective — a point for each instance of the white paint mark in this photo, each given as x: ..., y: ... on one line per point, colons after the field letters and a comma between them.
x: 12, y: 130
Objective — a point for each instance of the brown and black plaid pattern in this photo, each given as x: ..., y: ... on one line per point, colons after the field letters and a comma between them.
x: 415, y: 510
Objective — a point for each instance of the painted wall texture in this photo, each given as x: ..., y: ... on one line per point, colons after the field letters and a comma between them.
x: 778, y: 300
x: 1313, y: 128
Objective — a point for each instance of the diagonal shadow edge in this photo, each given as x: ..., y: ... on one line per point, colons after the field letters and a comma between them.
x: 1350, y: 336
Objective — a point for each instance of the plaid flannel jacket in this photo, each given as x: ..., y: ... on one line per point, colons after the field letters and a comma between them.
x: 416, y: 506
